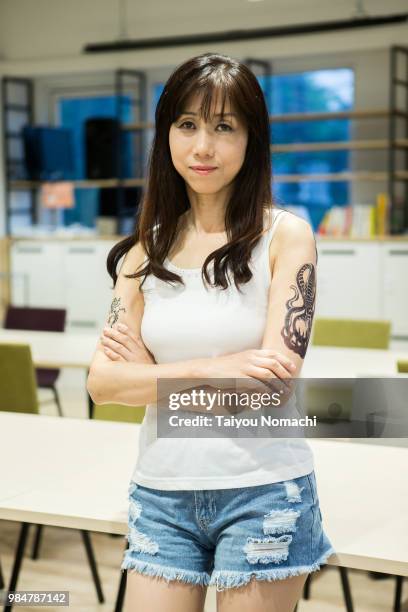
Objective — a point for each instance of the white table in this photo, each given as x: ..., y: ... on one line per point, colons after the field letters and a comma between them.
x: 64, y: 349
x: 55, y: 349
x: 75, y: 473
x: 65, y: 472
x: 339, y: 362
x: 77, y: 468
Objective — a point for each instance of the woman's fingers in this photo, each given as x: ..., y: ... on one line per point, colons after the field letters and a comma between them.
x: 118, y: 336
x: 129, y: 332
x: 126, y: 343
x: 283, y: 359
x: 112, y: 355
x: 117, y: 347
x: 275, y: 366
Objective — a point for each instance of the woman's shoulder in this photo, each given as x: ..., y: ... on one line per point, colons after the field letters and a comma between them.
x: 289, y: 226
x: 134, y: 259
x: 291, y: 233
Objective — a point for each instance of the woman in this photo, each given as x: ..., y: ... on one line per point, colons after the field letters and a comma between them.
x: 219, y: 298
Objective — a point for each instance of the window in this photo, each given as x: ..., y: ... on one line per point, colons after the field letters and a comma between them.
x: 72, y: 113
x: 311, y: 92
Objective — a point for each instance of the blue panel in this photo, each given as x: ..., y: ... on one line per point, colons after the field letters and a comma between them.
x: 73, y: 114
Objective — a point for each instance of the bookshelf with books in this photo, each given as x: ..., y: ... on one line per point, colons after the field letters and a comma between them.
x: 385, y: 211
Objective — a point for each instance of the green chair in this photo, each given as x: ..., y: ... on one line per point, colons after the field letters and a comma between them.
x: 119, y: 412
x: 402, y: 366
x: 18, y: 393
x: 352, y: 333
x: 18, y: 385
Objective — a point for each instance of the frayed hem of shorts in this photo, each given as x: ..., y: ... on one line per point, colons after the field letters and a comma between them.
x: 224, y: 579
x: 168, y: 573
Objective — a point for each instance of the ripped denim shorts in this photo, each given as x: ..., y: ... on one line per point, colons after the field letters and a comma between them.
x: 224, y: 537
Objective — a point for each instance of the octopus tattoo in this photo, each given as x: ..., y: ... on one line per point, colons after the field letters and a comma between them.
x: 114, y: 311
x: 299, y: 318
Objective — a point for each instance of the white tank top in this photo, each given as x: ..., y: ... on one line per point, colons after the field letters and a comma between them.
x: 190, y: 322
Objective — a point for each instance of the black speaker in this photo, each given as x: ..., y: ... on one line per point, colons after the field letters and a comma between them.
x: 102, y: 137
x: 49, y: 153
x: 108, y: 201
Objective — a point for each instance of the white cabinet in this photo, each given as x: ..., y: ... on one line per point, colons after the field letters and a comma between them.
x: 66, y: 274
x: 348, y: 280
x: 37, y: 274
x: 87, y: 288
x: 395, y: 298
x: 361, y: 280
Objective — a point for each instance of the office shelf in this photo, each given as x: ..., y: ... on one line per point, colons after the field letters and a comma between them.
x: 15, y: 167
x: 83, y: 184
x: 391, y: 175
x: 349, y: 145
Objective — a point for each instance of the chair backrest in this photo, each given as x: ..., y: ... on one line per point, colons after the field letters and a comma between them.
x: 18, y: 386
x: 402, y: 366
x: 119, y: 412
x: 35, y: 319
x: 354, y: 333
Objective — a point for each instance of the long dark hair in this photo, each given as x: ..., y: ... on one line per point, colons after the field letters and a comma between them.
x: 165, y: 197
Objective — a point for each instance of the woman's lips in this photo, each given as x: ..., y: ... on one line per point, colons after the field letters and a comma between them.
x: 203, y: 172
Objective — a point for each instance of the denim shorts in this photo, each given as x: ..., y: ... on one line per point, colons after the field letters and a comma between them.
x: 224, y: 537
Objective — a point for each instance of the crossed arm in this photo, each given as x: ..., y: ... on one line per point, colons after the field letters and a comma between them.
x: 130, y: 377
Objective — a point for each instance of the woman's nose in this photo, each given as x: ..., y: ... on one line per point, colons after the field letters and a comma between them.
x: 203, y: 142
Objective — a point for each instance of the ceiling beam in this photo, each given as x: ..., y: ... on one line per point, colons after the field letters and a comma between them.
x: 235, y: 35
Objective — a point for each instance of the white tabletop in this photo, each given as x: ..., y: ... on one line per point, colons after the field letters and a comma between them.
x: 75, y: 473
x: 64, y: 349
x: 342, y: 362
x: 55, y: 349
x: 66, y: 472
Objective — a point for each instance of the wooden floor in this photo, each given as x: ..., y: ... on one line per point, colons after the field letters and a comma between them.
x: 63, y: 566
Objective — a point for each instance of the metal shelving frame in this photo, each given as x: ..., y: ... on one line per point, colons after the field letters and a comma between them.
x: 14, y: 168
x: 391, y: 174
x: 15, y: 165
x: 398, y: 53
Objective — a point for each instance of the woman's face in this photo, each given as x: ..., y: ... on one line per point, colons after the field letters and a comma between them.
x: 220, y: 143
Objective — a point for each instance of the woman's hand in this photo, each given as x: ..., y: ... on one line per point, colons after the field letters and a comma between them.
x: 122, y: 344
x: 254, y: 363
x: 256, y: 370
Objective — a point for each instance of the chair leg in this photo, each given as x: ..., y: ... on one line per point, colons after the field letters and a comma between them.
x: 306, y: 587
x: 57, y: 400
x: 346, y: 589
x: 37, y: 541
x: 1, y: 579
x: 18, y: 558
x: 90, y: 402
x: 94, y: 570
x: 121, y: 592
x: 398, y: 593
x: 122, y: 587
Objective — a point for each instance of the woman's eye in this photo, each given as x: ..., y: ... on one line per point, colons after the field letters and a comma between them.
x: 185, y: 123
x: 227, y: 126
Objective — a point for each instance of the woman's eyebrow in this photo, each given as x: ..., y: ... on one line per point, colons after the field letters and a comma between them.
x: 216, y: 114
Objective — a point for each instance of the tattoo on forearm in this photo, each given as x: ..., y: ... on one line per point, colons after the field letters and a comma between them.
x: 299, y: 318
x: 114, y: 311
